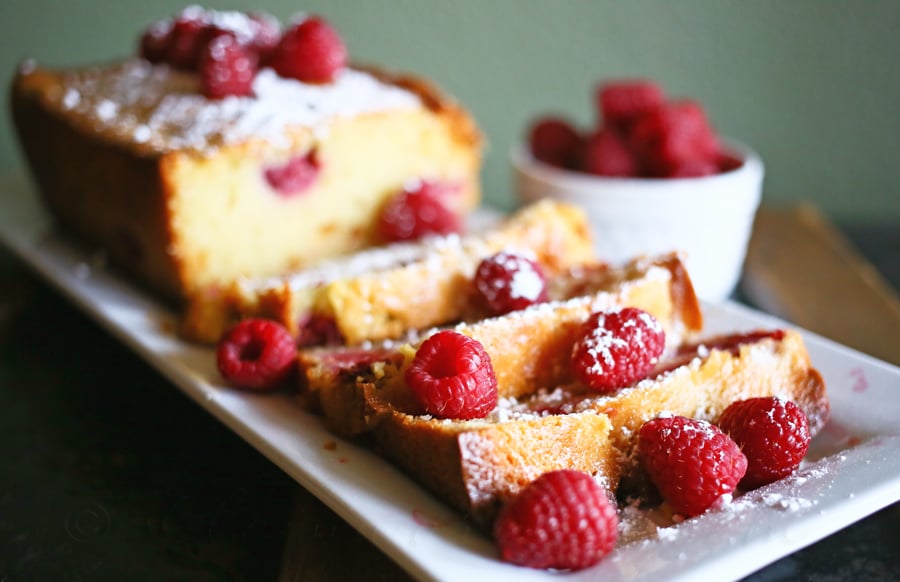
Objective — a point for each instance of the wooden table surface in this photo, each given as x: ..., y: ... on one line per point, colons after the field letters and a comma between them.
x: 110, y: 473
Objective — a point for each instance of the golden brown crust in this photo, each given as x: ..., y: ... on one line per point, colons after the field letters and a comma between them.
x: 98, y: 191
x: 477, y: 467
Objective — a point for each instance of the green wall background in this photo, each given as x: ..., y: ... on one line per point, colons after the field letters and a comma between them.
x: 811, y: 84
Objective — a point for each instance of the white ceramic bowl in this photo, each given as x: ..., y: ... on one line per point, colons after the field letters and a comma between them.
x: 709, y: 219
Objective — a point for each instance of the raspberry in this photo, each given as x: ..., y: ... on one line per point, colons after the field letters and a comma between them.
x: 621, y: 102
x: 729, y: 162
x: 310, y: 51
x: 690, y: 461
x: 416, y: 212
x: 554, y: 141
x: 673, y: 134
x: 508, y: 281
x: 266, y: 35
x: 295, y: 176
x: 155, y: 41
x: 318, y: 330
x: 607, y: 154
x: 773, y: 434
x: 452, y: 376
x: 187, y: 39
x: 257, y: 354
x: 692, y: 169
x: 226, y: 68
x: 614, y: 349
x: 562, y: 520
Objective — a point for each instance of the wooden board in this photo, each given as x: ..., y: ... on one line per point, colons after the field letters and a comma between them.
x: 800, y: 268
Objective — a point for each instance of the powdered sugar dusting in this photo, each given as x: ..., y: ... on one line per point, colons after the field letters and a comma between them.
x: 793, y: 494
x: 137, y: 102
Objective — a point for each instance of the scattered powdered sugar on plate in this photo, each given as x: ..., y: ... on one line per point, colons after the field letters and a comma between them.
x: 646, y: 525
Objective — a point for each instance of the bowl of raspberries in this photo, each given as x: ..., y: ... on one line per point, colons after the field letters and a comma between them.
x: 652, y: 176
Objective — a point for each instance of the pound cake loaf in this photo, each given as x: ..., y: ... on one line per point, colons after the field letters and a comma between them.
x: 231, y: 148
x: 385, y: 292
x: 477, y: 465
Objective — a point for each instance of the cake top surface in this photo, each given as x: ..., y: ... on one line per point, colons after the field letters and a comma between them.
x: 158, y: 108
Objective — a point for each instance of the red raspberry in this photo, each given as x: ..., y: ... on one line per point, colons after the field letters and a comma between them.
x: 621, y: 102
x: 606, y: 154
x: 155, y: 41
x: 773, y: 434
x: 257, y: 354
x: 729, y: 162
x: 266, y: 35
x: 673, y: 134
x: 295, y: 176
x: 692, y: 169
x: 508, y: 281
x: 187, y: 39
x: 614, y: 349
x: 690, y: 461
x: 226, y: 68
x: 562, y: 520
x: 318, y: 330
x: 452, y: 376
x: 554, y: 141
x: 310, y: 51
x: 418, y: 211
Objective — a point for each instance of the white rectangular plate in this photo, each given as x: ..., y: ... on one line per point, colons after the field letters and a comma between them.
x: 854, y: 467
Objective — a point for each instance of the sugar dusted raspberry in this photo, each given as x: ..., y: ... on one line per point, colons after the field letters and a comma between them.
x: 310, y: 51
x: 562, y: 520
x: 154, y: 45
x: 614, y: 349
x: 419, y: 210
x: 187, y: 39
x: 773, y: 434
x: 606, y: 154
x: 226, y: 68
x: 673, y: 134
x: 266, y: 35
x: 256, y: 354
x: 509, y: 281
x: 690, y: 461
x: 296, y: 176
x: 554, y: 141
x: 452, y: 377
x: 620, y: 103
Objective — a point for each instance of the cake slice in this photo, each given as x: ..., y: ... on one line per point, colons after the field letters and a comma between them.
x: 477, y: 465
x: 529, y: 347
x: 387, y: 291
x: 187, y: 191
